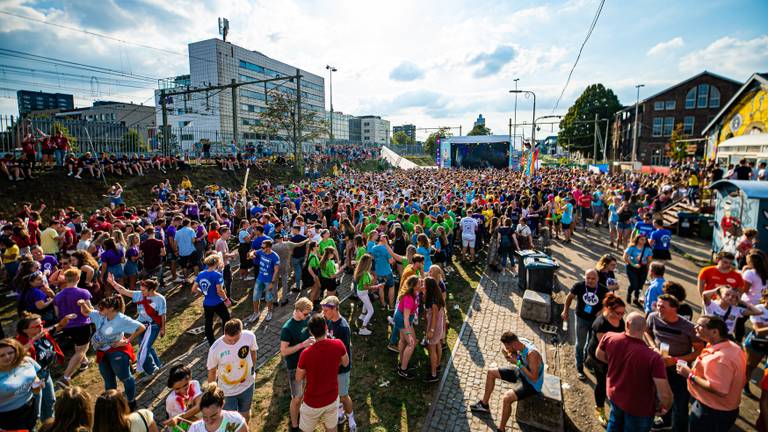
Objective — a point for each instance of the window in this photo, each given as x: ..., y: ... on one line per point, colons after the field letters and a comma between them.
x: 251, y: 122
x: 658, y: 122
x: 714, y: 97
x: 251, y: 66
x: 688, y: 125
x: 690, y: 99
x: 366, y: 123
x: 252, y: 94
x: 658, y: 105
x: 669, y: 124
x: 703, y: 98
x: 187, y: 137
x: 670, y: 105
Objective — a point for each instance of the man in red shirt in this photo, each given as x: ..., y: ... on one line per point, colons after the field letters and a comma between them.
x: 62, y: 147
x: 636, y: 377
x: 585, y: 204
x: 722, y: 273
x: 320, y: 365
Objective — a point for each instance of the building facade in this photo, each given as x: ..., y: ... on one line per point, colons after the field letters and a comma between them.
x: 37, y: 101
x: 374, y: 130
x: 690, y: 105
x: 339, y: 124
x: 355, y: 130
x: 408, y: 129
x: 210, y: 115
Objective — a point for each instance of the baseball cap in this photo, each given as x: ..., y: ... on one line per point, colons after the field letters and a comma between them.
x: 330, y: 301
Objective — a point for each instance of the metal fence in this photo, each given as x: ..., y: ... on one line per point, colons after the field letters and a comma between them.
x: 408, y: 149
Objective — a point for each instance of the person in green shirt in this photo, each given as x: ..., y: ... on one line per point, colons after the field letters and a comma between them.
x: 311, y: 272
x: 329, y: 272
x: 294, y: 337
x: 365, y: 282
x: 326, y: 242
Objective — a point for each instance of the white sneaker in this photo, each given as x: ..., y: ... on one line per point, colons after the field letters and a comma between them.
x: 70, y: 174
x: 78, y: 177
x: 269, y: 316
x: 251, y: 318
x: 364, y: 331
x: 180, y: 279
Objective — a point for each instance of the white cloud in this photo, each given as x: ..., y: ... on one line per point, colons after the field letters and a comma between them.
x: 735, y: 57
x: 666, y: 47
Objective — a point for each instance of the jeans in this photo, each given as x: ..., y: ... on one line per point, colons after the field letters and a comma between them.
x: 583, y: 331
x: 704, y: 418
x: 677, y: 416
x: 152, y: 362
x: 297, y: 263
x: 118, y: 365
x: 228, y: 280
x: 637, y: 277
x: 45, y: 399
x: 504, y: 254
x: 600, y: 369
x: 223, y: 313
x: 619, y: 421
x: 59, y: 157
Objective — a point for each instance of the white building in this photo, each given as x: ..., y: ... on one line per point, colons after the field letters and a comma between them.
x: 209, y: 115
x: 340, y: 126
x: 374, y: 130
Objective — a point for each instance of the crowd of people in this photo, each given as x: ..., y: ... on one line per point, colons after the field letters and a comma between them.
x: 395, y: 234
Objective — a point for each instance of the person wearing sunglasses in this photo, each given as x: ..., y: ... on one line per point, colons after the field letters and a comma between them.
x: 611, y: 319
x: 294, y: 337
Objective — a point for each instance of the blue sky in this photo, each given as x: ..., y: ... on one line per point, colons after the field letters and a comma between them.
x: 431, y: 63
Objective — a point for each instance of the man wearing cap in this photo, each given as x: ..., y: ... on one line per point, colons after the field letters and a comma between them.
x: 338, y: 328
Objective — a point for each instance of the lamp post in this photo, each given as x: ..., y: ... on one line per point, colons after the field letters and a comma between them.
x: 634, y: 129
x: 514, y: 132
x: 331, y: 70
x: 527, y: 94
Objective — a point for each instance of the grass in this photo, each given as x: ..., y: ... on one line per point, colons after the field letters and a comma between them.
x: 421, y: 160
x: 382, y: 400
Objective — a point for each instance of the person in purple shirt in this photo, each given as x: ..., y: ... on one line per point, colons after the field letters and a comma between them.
x: 48, y: 263
x: 78, y: 329
x: 112, y: 260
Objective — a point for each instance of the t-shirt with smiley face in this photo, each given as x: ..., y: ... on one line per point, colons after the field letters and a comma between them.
x: 233, y: 363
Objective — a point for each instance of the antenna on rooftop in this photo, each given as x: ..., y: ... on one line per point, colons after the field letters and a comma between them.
x: 223, y: 28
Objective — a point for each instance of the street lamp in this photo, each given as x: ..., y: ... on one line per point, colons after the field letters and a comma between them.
x: 515, y: 124
x: 331, y: 70
x: 528, y: 94
x: 634, y: 129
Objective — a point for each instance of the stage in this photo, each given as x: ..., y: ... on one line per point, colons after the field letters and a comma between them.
x: 478, y: 151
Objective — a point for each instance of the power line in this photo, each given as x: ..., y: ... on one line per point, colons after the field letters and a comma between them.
x: 75, y: 65
x: 589, y: 33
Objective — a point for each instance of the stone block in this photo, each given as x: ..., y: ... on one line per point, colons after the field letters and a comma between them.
x: 545, y: 410
x: 536, y: 306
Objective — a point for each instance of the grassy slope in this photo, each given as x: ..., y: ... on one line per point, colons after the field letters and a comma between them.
x: 421, y: 160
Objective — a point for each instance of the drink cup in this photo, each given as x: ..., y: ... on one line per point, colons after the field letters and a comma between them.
x: 664, y: 348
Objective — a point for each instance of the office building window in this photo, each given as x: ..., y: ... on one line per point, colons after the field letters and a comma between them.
x: 703, y: 98
x: 251, y: 94
x: 669, y: 124
x: 658, y: 122
x: 187, y: 137
x: 688, y: 125
x: 670, y: 105
x: 690, y: 99
x: 251, y: 66
x: 714, y: 97
x: 658, y: 105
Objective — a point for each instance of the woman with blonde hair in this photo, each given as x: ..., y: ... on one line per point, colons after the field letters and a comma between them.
x: 19, y: 384
x: 365, y: 282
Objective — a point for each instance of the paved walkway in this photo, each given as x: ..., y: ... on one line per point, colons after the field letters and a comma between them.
x: 494, y: 310
x: 151, y: 394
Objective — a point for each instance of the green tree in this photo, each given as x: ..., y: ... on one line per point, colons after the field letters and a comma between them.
x: 400, y: 138
x: 430, y: 145
x: 59, y: 127
x: 677, y: 148
x: 132, y: 139
x: 479, y: 130
x: 279, y: 118
x: 576, y: 128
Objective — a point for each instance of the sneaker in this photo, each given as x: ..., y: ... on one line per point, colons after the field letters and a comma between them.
x: 600, y: 414
x: 69, y: 174
x: 405, y: 374
x: 251, y: 318
x: 581, y: 376
x: 393, y: 348
x: 64, y: 382
x: 431, y: 378
x: 479, y: 406
x: 269, y: 316
x: 364, y: 331
x: 390, y: 320
x: 352, y: 426
x: 84, y: 365
x: 78, y: 177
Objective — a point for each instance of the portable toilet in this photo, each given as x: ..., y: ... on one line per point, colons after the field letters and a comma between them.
x: 739, y: 204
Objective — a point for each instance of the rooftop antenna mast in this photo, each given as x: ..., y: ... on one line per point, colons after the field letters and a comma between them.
x: 223, y: 28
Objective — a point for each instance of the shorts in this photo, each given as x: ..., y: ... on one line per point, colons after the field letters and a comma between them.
x: 522, y: 388
x: 131, y: 268
x: 566, y: 225
x: 241, y: 402
x: 117, y: 271
x: 242, y: 250
x: 468, y: 241
x: 613, y: 225
x: 328, y: 284
x: 344, y: 383
x: 189, y: 260
x: 310, y: 417
x: 259, y: 288
x: 170, y: 255
x: 116, y: 201
x: 80, y: 335
x: 387, y: 280
x: 624, y: 226
x: 297, y: 389
x: 662, y: 254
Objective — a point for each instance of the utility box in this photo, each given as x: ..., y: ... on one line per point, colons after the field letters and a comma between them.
x: 536, y: 306
x: 521, y: 256
x: 540, y: 273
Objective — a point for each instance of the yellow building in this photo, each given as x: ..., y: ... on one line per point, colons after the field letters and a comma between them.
x: 740, y: 129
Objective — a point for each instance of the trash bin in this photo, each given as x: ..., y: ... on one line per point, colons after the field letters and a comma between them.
x: 521, y: 256
x: 706, y: 226
x: 540, y: 274
x: 685, y: 223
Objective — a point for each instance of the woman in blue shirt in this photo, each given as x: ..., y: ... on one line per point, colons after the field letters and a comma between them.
x: 637, y: 257
x: 211, y: 284
x: 18, y: 384
x: 114, y: 352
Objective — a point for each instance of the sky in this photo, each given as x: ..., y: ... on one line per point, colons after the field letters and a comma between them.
x: 430, y: 63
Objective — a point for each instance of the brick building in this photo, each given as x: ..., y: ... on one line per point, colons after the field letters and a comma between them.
x: 692, y: 103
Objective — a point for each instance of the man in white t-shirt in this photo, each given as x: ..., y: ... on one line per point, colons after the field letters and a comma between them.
x: 230, y: 364
x: 468, y: 229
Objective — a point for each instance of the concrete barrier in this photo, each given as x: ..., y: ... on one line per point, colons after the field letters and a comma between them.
x: 398, y: 161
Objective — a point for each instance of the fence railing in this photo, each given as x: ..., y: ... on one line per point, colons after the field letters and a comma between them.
x: 408, y: 149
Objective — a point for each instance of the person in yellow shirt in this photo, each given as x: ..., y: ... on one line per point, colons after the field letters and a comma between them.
x: 186, y: 183
x: 10, y: 254
x: 693, y: 187
x: 51, y: 238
